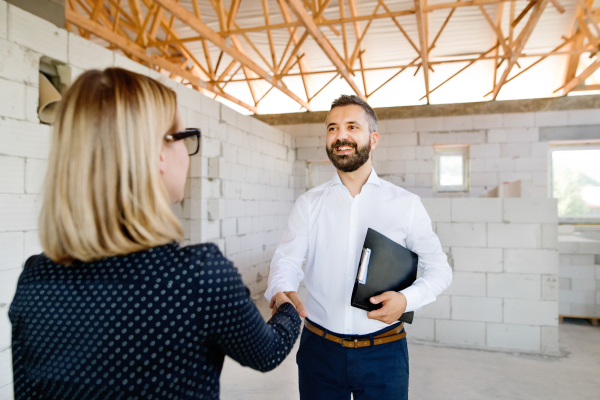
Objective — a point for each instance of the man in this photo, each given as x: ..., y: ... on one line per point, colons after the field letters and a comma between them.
x: 345, y: 350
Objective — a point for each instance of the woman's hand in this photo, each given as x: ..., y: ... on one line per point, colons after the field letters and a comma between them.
x: 288, y: 297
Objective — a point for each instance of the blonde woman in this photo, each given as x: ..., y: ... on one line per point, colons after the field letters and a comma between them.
x: 114, y: 308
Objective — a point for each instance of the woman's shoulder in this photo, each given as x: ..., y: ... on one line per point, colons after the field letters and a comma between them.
x: 208, y: 257
x: 214, y: 270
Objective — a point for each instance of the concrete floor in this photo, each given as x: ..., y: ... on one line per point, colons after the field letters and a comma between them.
x: 451, y: 373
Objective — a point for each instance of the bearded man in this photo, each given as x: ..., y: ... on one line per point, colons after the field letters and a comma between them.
x: 344, y: 350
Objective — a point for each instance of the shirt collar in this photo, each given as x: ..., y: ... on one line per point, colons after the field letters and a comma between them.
x: 373, y: 179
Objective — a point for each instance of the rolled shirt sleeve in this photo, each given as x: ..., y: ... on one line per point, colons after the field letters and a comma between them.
x: 436, y: 274
x: 286, y: 267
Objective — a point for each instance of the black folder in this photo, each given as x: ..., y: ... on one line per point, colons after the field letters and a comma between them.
x: 384, y: 266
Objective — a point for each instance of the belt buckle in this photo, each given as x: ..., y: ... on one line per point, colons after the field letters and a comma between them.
x: 355, y: 341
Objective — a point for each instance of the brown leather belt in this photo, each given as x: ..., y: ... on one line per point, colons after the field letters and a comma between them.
x: 386, y: 337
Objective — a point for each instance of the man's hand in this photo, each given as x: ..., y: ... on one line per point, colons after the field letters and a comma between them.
x: 393, y: 306
x: 291, y: 297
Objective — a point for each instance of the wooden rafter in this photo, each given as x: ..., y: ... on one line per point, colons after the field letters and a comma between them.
x: 542, y: 58
x: 318, y: 37
x: 306, y: 79
x: 499, y: 12
x: 265, y: 5
x: 519, y: 45
x: 149, y: 24
x: 421, y: 27
x: 130, y: 47
x: 586, y: 73
x: 496, y: 28
x: 359, y: 36
x: 233, y: 10
x: 193, y: 22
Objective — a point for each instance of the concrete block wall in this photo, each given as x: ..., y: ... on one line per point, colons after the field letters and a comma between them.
x: 503, y: 147
x: 579, y: 277
x: 243, y: 187
x: 504, y: 293
x: 239, y: 190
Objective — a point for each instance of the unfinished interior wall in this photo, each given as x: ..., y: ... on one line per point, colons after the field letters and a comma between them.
x: 504, y: 293
x: 579, y: 276
x: 504, y: 147
x: 239, y: 191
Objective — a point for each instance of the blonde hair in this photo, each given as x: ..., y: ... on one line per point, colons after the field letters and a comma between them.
x: 103, y: 193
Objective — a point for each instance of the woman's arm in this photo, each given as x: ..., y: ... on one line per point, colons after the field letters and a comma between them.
x: 233, y: 322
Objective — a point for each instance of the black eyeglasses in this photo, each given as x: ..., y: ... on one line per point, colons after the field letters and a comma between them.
x: 191, y: 137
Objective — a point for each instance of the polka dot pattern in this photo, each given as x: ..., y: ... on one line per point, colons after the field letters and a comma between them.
x: 155, y: 324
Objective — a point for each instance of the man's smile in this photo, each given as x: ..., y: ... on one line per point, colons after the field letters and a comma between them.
x: 344, y: 150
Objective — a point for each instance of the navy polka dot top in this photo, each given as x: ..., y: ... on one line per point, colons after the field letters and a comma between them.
x: 155, y: 324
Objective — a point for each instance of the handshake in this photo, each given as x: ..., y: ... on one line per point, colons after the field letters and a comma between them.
x: 288, y: 297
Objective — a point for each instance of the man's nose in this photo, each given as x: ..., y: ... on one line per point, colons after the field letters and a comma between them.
x: 342, y: 134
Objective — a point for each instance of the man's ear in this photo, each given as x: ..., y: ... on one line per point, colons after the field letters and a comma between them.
x: 162, y: 164
x: 374, y: 140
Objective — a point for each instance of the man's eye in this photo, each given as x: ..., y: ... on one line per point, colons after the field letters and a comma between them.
x: 352, y: 126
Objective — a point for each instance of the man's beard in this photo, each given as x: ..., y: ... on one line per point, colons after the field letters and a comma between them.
x: 349, y: 162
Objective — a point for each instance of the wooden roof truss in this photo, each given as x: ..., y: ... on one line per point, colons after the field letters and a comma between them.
x: 145, y: 31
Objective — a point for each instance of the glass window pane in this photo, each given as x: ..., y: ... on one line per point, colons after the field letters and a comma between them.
x: 576, y: 182
x: 451, y: 170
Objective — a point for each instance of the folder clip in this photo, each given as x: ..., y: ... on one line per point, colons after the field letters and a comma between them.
x: 364, y: 265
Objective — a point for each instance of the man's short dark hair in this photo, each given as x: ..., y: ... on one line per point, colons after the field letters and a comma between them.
x: 350, y: 99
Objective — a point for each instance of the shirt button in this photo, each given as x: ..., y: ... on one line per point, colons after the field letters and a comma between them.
x: 347, y: 330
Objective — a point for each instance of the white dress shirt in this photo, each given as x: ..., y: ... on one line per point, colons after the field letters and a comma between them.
x: 330, y: 225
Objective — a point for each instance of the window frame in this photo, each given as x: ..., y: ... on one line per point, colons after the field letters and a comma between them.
x: 461, y: 149
x: 570, y: 145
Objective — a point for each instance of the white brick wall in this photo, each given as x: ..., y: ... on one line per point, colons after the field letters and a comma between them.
x: 579, y: 274
x: 505, y: 281
x: 503, y: 147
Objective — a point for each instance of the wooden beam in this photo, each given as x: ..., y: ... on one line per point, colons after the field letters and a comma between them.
x: 586, y: 73
x: 265, y: 5
x: 586, y: 87
x: 193, y: 22
x: 459, y: 3
x: 324, y: 86
x: 499, y: 12
x: 342, y: 8
x: 403, y: 68
x: 573, y: 61
x: 497, y: 29
x: 136, y: 12
x: 523, y: 13
x: 307, y: 81
x: 233, y: 10
x: 294, y: 54
x: 129, y: 46
x: 537, y: 62
x: 419, y: 5
x: 313, y: 30
x: 591, y: 19
x: 359, y: 38
x: 558, y: 6
x: 462, y: 69
x: 520, y: 43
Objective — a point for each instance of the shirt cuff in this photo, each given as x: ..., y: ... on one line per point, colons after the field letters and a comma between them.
x: 282, y: 287
x: 413, y: 298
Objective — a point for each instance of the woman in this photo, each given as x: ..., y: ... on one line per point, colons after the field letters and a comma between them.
x: 114, y: 308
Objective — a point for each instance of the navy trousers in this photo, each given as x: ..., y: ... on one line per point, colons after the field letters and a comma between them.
x: 330, y: 371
